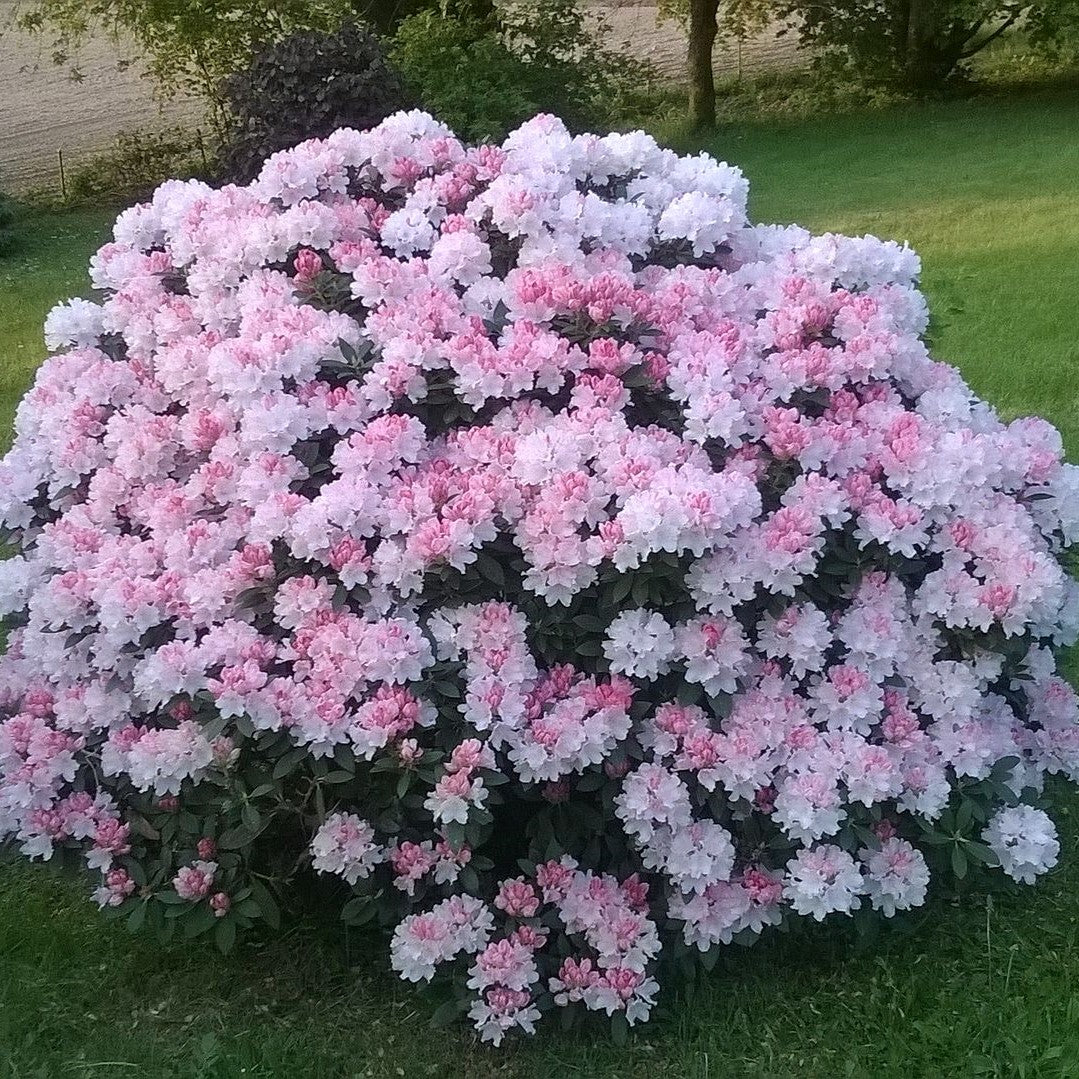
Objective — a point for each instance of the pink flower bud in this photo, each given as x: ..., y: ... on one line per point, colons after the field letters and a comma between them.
x: 884, y: 830
x: 408, y: 751
x: 557, y: 791
x: 220, y: 904
x: 193, y: 881
x: 307, y: 264
x: 181, y: 710
x: 225, y: 753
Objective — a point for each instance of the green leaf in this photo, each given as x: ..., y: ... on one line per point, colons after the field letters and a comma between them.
x: 446, y: 1014
x: 689, y: 693
x: 200, y: 920
x: 959, y: 861
x: 262, y: 895
x: 619, y: 1028
x: 640, y: 592
x: 936, y: 839
x: 490, y: 569
x: 339, y: 775
x: 142, y: 826
x: 288, y: 763
x: 247, y: 908
x: 234, y: 838
x: 225, y: 935
x: 982, y: 853
x: 621, y: 588
x: 358, y: 910
x: 867, y: 836
x: 137, y: 917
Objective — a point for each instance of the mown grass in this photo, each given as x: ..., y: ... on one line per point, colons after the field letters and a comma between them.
x: 48, y: 263
x: 988, y: 191
x: 985, y: 190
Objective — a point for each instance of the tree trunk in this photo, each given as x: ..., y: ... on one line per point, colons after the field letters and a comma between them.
x: 923, y: 60
x: 703, y: 15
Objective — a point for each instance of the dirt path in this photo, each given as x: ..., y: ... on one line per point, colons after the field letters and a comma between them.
x: 637, y: 27
x: 43, y: 110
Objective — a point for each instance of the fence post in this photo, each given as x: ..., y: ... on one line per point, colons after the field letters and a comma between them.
x: 63, y: 179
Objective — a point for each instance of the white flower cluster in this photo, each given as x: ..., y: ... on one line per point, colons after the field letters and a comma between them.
x: 1025, y: 841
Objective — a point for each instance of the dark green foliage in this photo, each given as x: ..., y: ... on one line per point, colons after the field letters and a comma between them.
x: 386, y: 15
x: 484, y: 76
x: 464, y: 75
x: 922, y: 46
x: 304, y: 87
x: 7, y: 223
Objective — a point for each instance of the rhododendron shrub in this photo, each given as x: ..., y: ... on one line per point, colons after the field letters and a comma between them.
x: 571, y: 576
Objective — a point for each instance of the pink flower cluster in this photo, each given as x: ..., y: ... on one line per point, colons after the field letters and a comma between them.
x: 419, y: 499
x: 617, y: 942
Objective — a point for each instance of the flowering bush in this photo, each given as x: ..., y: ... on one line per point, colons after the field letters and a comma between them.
x: 573, y: 576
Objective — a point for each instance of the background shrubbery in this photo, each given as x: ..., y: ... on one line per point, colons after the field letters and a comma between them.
x: 462, y: 68
x: 137, y: 163
x: 273, y: 75
x: 483, y: 70
x: 7, y: 223
x: 483, y: 77
x: 304, y: 87
x: 922, y: 46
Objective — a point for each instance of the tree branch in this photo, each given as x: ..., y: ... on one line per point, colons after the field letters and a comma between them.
x: 1009, y: 22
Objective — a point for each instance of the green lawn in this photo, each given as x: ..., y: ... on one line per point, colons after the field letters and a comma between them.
x: 989, y: 193
x: 47, y: 264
